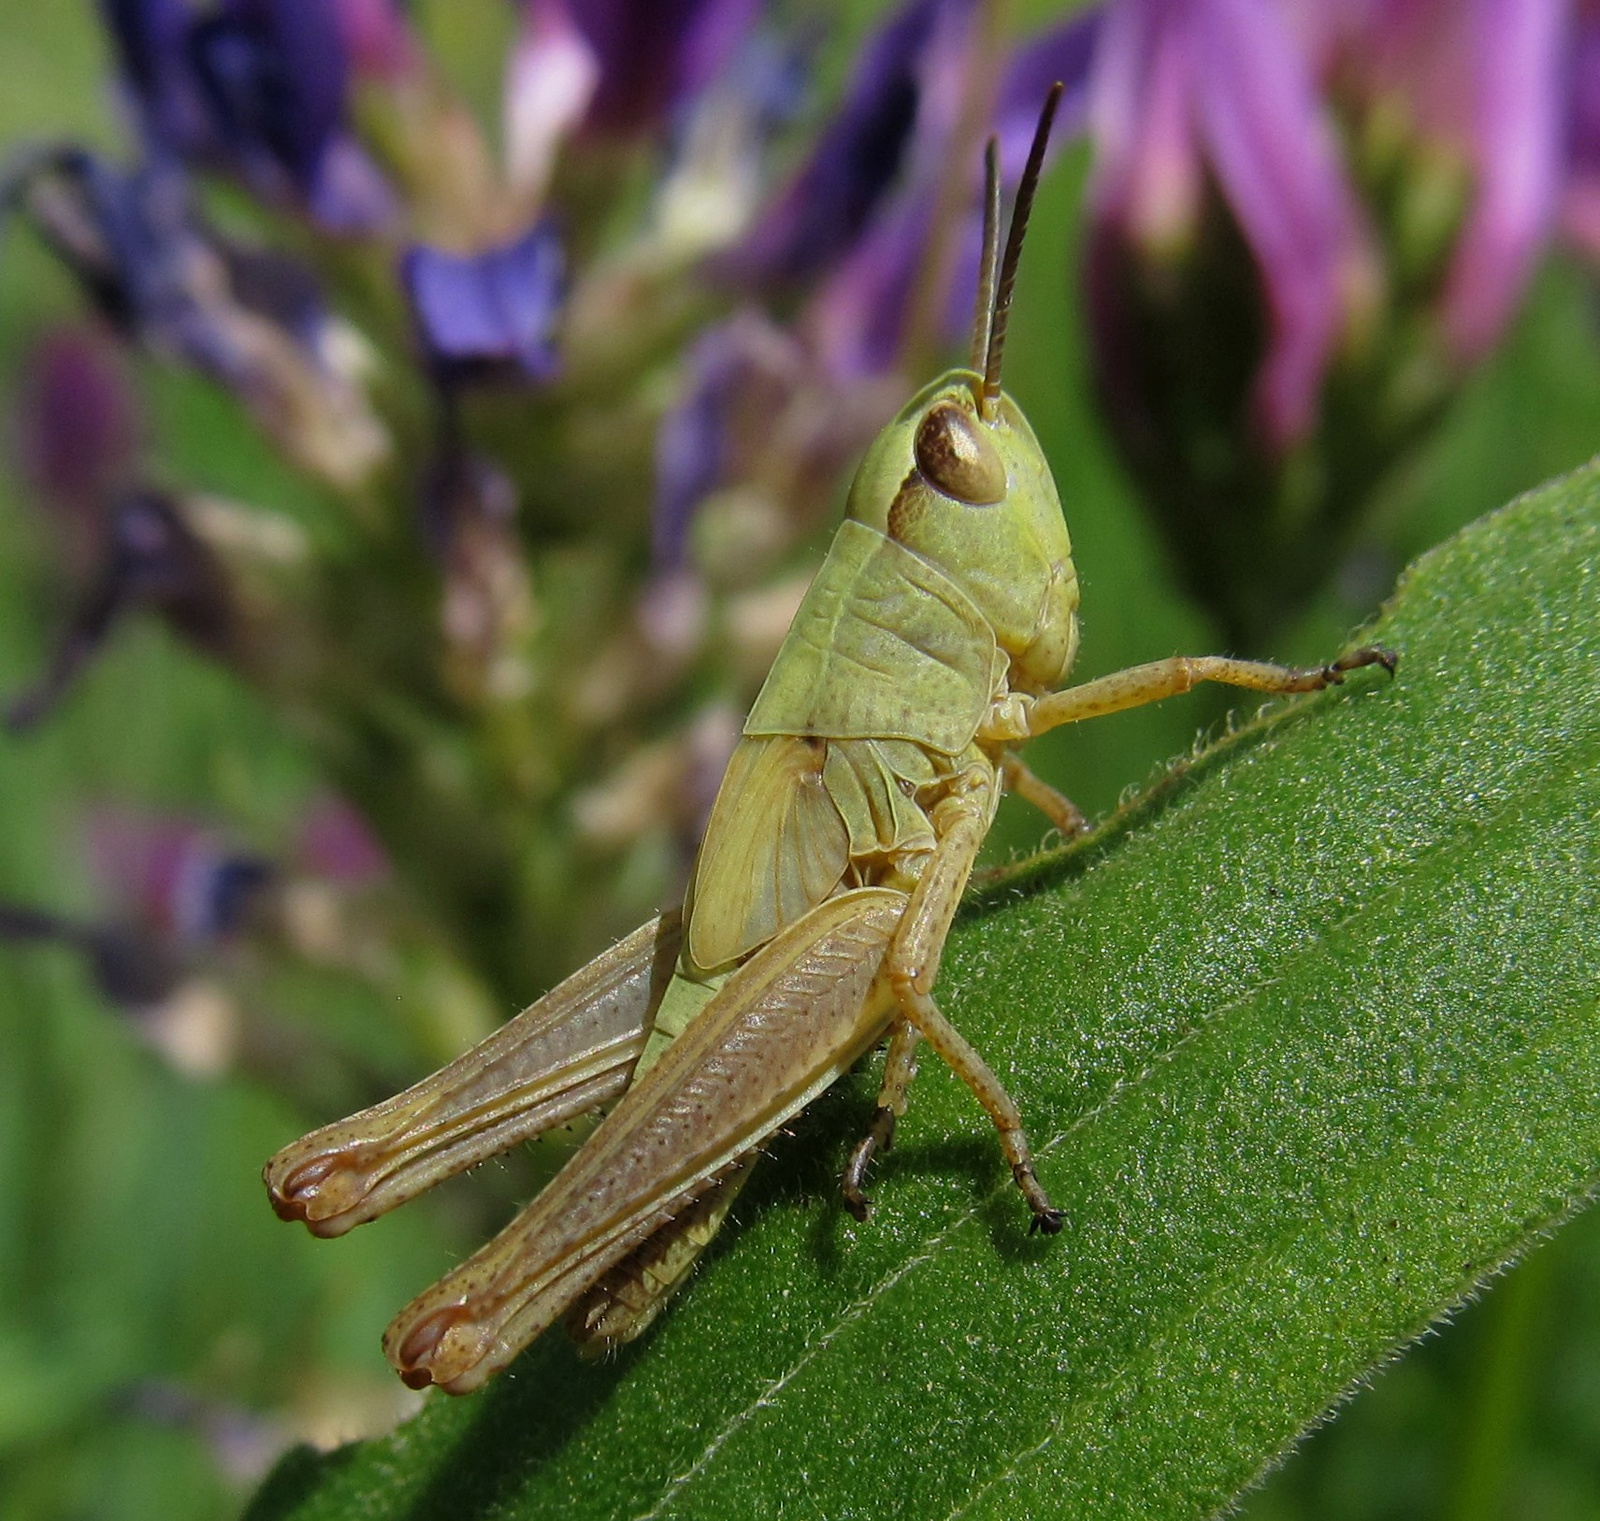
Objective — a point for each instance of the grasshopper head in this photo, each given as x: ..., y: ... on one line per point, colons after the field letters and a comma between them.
x: 975, y: 497
x: 959, y: 478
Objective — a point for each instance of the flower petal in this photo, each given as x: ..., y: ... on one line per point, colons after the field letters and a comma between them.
x: 829, y: 204
x: 1274, y: 153
x: 1518, y: 49
x: 492, y: 311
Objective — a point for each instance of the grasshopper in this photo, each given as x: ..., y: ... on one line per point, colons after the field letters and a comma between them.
x: 935, y: 638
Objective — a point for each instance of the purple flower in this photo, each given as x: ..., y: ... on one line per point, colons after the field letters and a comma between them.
x: 1483, y: 81
x: 378, y: 38
x: 489, y: 314
x: 336, y: 845
x: 650, y: 58
x: 742, y: 373
x: 77, y: 427
x: 253, y: 321
x: 256, y: 88
x: 861, y: 152
x: 856, y: 320
x: 175, y: 877
x: 1580, y: 206
x: 1191, y: 91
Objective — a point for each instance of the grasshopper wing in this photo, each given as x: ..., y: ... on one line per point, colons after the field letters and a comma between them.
x: 571, y: 1052
x: 775, y: 846
x: 779, y: 1031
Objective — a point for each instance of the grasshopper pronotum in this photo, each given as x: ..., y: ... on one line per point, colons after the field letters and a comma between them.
x: 934, y: 638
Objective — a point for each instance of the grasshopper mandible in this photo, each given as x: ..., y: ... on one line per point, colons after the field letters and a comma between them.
x: 934, y: 639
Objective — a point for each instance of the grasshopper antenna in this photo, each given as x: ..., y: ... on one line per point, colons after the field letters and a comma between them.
x: 1008, y: 266
x: 983, y: 314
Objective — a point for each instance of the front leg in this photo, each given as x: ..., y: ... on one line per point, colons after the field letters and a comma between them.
x: 960, y: 821
x: 1017, y: 717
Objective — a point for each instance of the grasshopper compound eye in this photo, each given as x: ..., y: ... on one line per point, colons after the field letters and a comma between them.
x: 956, y: 458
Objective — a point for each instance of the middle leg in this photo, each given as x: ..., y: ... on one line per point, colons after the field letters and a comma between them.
x: 960, y: 822
x: 899, y: 1067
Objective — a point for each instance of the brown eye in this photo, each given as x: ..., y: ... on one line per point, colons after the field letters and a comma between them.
x: 955, y: 457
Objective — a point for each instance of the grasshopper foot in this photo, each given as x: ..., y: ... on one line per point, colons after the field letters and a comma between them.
x: 879, y: 1137
x: 1047, y: 1219
x: 1368, y: 654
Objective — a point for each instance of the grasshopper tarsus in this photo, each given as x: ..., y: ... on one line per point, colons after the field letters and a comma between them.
x: 1047, y: 1219
x: 879, y: 1137
x: 1372, y: 654
x: 1368, y: 654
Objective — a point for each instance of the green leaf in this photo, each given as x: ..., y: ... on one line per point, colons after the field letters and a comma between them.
x: 1307, y: 1041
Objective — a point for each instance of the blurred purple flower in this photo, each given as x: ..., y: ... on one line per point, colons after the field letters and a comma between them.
x: 77, y: 427
x: 253, y: 321
x: 378, y: 38
x: 650, y: 58
x: 175, y: 877
x: 856, y: 320
x: 491, y: 314
x: 1186, y: 89
x: 172, y: 890
x: 152, y: 561
x: 742, y: 374
x: 1580, y: 206
x: 336, y: 845
x: 255, y: 88
x: 860, y: 154
x: 1484, y: 80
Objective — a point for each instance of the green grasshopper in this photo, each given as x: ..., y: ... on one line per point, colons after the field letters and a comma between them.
x: 935, y: 638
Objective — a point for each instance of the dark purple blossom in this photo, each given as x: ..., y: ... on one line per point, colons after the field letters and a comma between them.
x: 177, y: 879
x: 255, y: 88
x: 650, y: 58
x: 490, y: 314
x: 857, y: 319
x: 861, y: 153
x: 1580, y: 206
x: 131, y: 240
x: 77, y: 427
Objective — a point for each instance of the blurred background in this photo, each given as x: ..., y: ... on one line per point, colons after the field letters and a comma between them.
x: 419, y: 424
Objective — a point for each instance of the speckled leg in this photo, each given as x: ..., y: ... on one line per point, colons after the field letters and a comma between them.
x: 961, y: 821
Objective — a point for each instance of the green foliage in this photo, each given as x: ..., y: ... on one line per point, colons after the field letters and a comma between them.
x: 1306, y: 1038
